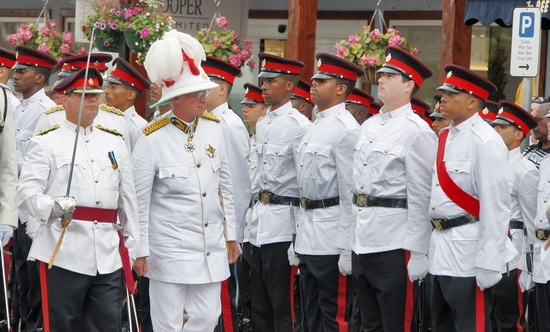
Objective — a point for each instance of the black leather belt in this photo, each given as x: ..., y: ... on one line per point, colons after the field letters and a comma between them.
x: 542, y: 234
x: 366, y: 200
x: 443, y: 224
x: 310, y: 204
x: 516, y: 224
x: 270, y: 198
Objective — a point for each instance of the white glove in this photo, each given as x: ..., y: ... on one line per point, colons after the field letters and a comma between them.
x: 344, y: 262
x: 525, y: 281
x: 64, y: 206
x: 293, y: 260
x: 57, y: 211
x: 418, y: 266
x: 487, y: 278
x: 6, y: 232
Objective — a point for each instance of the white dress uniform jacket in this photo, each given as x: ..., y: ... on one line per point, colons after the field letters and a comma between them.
x: 253, y: 172
x: 133, y: 126
x: 11, y: 97
x: 393, y: 158
x: 180, y: 214
x: 325, y: 171
x: 8, y: 164
x: 523, y: 179
x: 477, y: 161
x: 88, y: 247
x: 278, y: 135
x: 238, y: 148
x: 541, y: 256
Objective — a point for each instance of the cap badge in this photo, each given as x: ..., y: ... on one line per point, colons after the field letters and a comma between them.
x: 264, y: 63
x: 450, y: 73
x: 436, y: 106
x: 246, y: 91
x: 17, y: 54
x: 388, y: 57
x: 501, y: 110
x: 114, y: 68
x: 485, y: 111
x: 319, y: 63
x: 90, y: 81
x: 96, y: 63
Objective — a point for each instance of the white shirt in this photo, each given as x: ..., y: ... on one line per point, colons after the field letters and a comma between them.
x: 278, y: 135
x: 393, y: 158
x: 183, y: 234
x: 253, y: 173
x: 8, y: 165
x: 87, y: 248
x: 541, y: 256
x: 238, y: 148
x: 325, y: 171
x: 134, y: 125
x: 477, y: 161
x: 11, y: 97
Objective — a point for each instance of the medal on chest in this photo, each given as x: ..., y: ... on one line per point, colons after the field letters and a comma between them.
x: 189, y: 130
x: 190, y: 146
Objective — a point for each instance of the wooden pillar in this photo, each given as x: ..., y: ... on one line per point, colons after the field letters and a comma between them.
x: 456, y: 37
x: 302, y: 22
x: 141, y: 103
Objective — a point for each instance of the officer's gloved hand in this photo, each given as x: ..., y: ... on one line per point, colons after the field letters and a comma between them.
x: 64, y: 206
x: 418, y: 266
x: 525, y: 281
x: 6, y: 232
x: 487, y: 278
x: 293, y: 260
x: 344, y: 262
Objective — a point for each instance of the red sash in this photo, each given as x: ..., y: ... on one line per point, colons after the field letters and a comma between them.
x: 450, y: 188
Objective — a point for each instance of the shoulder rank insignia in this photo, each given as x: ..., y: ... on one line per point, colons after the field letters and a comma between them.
x: 156, y: 125
x: 109, y: 130
x: 54, y: 109
x: 111, y: 109
x: 47, y: 130
x: 210, y: 116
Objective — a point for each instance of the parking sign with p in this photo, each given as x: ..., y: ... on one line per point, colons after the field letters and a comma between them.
x: 527, y: 25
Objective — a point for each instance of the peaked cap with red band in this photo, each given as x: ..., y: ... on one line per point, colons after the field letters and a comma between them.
x: 252, y: 94
x: 76, y: 62
x: 460, y: 79
x: 489, y: 111
x: 7, y: 58
x: 374, y: 108
x: 123, y: 73
x: 332, y: 66
x: 29, y: 57
x: 302, y: 91
x: 273, y: 66
x: 419, y: 106
x: 360, y: 97
x: 511, y: 114
x: 399, y: 61
x: 216, y: 68
x: 79, y: 83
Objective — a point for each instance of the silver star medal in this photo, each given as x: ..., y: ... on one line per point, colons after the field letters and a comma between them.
x: 190, y: 146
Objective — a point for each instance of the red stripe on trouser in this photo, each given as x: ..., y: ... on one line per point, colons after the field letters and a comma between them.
x: 44, y: 294
x: 227, y: 316
x: 480, y: 310
x: 520, y: 301
x: 342, y: 300
x: 293, y: 272
x: 409, y: 300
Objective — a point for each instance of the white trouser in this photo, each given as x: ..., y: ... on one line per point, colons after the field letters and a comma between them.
x: 168, y: 301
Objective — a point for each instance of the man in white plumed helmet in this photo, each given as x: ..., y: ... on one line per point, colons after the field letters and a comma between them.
x: 185, y: 194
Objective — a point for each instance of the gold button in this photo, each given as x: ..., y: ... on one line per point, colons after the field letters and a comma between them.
x: 265, y: 161
x: 383, y: 123
x: 360, y: 209
x: 18, y: 128
x: 444, y: 160
x: 269, y: 122
x: 437, y: 184
x: 473, y: 124
x: 305, y: 142
x: 456, y: 169
x: 386, y: 151
x: 87, y: 140
x: 301, y: 164
x: 265, y: 142
x: 198, y: 165
x: 300, y: 187
x: 134, y: 114
x: 97, y: 201
x: 433, y: 207
x: 249, y: 160
x: 452, y: 138
x: 208, y: 253
x: 28, y: 138
x: 42, y: 219
x: 95, y: 222
x: 204, y: 194
x: 315, y: 152
x: 96, y: 180
x: 364, y: 163
x: 409, y: 113
x: 370, y: 141
x: 277, y: 152
x: 92, y: 160
x: 265, y: 182
x: 173, y: 175
x: 206, y: 224
x: 545, y: 200
x: 338, y: 113
x: 361, y: 186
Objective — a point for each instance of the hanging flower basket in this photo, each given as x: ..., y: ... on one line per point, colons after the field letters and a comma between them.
x: 134, y: 41
x: 107, y: 44
x: 370, y: 77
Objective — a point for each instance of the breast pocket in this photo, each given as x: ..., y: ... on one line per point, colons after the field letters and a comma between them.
x: 459, y: 171
x: 276, y: 158
x: 109, y: 177
x: 80, y: 178
x: 174, y: 179
x: 317, y: 161
x: 385, y: 160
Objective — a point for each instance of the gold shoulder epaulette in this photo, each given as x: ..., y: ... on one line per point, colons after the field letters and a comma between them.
x: 47, y: 130
x: 54, y: 109
x: 210, y: 116
x: 111, y: 109
x: 109, y: 130
x: 153, y: 126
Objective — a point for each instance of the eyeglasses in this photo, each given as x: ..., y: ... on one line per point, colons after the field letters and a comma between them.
x: 201, y: 94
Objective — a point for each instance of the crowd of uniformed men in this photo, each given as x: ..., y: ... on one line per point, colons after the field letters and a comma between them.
x: 378, y: 214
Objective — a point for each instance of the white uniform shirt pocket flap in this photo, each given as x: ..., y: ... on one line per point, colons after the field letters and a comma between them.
x: 388, y: 148
x: 458, y: 166
x: 276, y: 149
x: 319, y: 149
x: 67, y: 161
x: 105, y: 162
x: 172, y: 172
x: 216, y: 165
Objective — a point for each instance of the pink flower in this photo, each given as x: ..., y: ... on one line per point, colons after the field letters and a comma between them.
x: 65, y: 48
x: 341, y: 51
x: 217, y: 42
x: 236, y: 48
x: 81, y: 50
x: 234, y: 35
x: 375, y: 34
x: 395, y: 40
x: 54, y: 33
x: 251, y: 63
x: 53, y: 24
x: 25, y: 35
x: 222, y: 22
x: 234, y: 60
x: 371, y: 60
x: 43, y: 48
x: 247, y: 44
x: 44, y: 31
x: 68, y: 37
x: 12, y: 39
x: 353, y: 39
x: 127, y: 13
x: 336, y: 46
x: 244, y: 55
x: 415, y: 51
x: 144, y: 33
x: 135, y: 11
x: 24, y: 27
x: 391, y: 30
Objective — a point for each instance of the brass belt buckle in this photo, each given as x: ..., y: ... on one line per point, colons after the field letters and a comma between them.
x: 303, y: 202
x: 437, y: 224
x: 361, y: 200
x: 540, y: 234
x: 264, y: 198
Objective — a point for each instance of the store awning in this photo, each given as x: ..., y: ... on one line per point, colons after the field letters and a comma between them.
x: 499, y: 11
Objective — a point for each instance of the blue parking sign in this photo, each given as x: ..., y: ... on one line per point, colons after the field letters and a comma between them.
x: 527, y: 25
